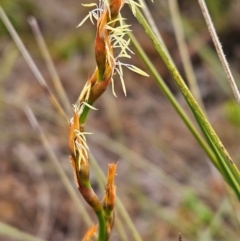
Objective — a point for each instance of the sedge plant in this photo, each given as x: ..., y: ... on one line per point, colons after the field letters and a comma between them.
x: 107, y: 38
x: 110, y: 34
x: 111, y: 45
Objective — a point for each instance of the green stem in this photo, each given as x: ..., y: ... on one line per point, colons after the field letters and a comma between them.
x: 216, y: 159
x: 221, y: 164
x: 83, y: 116
x: 160, y: 82
x: 92, y: 199
x: 102, y: 226
x: 190, y: 100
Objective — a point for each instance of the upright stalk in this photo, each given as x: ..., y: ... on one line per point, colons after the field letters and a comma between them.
x: 235, y: 179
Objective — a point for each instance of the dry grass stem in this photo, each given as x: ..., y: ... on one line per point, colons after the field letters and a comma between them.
x: 50, y: 65
x: 219, y: 49
x: 31, y: 63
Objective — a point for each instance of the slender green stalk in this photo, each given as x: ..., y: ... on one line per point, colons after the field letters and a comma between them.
x: 221, y: 165
x: 151, y: 22
x: 102, y: 226
x: 191, y: 101
x: 160, y: 82
x: 83, y: 117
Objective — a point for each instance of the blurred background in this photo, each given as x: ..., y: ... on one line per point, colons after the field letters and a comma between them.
x: 165, y: 180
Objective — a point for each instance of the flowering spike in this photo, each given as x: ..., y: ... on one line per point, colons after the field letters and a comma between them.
x: 110, y: 37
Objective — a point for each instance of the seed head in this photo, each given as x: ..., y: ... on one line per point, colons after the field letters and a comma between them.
x: 111, y: 36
